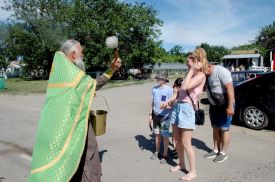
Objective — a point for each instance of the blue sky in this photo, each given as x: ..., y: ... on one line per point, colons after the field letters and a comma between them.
x: 217, y: 22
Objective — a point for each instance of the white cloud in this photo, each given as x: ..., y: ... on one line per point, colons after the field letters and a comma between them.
x: 3, y: 13
x: 178, y: 33
x: 217, y: 22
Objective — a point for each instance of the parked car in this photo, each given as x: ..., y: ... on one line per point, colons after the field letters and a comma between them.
x: 255, y: 101
x: 241, y: 76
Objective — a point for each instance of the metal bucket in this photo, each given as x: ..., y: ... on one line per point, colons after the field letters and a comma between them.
x: 98, y: 121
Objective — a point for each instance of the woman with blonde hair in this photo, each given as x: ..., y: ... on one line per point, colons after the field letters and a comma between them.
x: 183, y: 116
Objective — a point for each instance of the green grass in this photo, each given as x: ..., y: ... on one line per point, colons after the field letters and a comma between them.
x: 21, y: 86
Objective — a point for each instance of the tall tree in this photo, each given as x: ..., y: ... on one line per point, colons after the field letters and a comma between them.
x: 266, y: 36
x: 177, y: 50
x: 214, y: 53
x: 42, y: 25
x: 3, y: 37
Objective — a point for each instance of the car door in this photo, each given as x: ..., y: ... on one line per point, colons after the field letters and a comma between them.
x: 270, y: 96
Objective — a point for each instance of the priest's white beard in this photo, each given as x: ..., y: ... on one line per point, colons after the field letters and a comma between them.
x: 80, y: 63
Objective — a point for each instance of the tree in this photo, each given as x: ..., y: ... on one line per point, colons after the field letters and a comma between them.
x: 42, y: 25
x: 177, y: 50
x: 266, y: 36
x: 252, y: 46
x: 3, y: 37
x: 214, y: 53
x: 175, y: 54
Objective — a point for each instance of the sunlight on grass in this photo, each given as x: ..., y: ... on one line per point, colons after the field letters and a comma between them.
x: 21, y: 86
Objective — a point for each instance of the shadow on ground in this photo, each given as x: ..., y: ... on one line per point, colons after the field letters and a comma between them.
x: 200, y: 145
x: 146, y: 144
x: 149, y: 145
x: 101, y: 153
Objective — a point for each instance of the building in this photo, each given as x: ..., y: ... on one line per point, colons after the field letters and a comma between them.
x: 14, y: 69
x: 247, y: 59
x: 169, y: 67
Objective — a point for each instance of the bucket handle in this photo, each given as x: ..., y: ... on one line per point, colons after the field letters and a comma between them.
x: 104, y: 98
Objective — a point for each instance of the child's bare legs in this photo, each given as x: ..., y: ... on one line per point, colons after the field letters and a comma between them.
x: 186, y: 138
x: 158, y: 141
x: 173, y: 136
x: 180, y: 150
x: 174, y: 142
x: 165, y: 146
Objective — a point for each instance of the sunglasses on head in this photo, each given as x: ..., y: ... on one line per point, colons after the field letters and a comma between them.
x: 190, y: 55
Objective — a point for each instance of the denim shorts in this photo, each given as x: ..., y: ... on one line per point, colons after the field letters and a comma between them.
x: 219, y: 118
x: 183, y: 115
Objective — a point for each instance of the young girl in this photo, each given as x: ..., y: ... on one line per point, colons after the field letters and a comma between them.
x: 171, y: 103
x: 183, y: 117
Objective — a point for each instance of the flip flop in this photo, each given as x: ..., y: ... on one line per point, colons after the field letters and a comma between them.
x: 187, y: 178
x: 177, y: 168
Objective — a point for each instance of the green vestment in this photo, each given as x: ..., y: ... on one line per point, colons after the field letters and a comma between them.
x: 63, y: 124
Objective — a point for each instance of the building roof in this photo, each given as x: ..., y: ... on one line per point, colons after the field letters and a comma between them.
x: 238, y: 56
x: 14, y: 64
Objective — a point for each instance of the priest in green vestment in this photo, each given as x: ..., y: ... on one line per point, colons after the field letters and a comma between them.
x: 65, y: 147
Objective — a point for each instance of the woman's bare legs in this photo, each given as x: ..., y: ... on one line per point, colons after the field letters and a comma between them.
x: 180, y: 149
x: 186, y: 141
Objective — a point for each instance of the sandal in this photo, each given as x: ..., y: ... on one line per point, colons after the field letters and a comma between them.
x: 177, y: 168
x: 187, y: 178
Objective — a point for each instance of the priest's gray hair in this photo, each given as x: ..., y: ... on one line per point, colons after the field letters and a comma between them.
x: 69, y: 46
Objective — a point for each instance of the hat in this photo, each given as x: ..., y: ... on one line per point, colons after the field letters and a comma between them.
x: 163, y: 75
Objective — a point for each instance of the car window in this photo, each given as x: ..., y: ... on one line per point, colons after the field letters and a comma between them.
x: 237, y: 77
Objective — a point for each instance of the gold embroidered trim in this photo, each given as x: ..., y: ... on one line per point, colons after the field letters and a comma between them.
x: 67, y: 84
x: 86, y: 127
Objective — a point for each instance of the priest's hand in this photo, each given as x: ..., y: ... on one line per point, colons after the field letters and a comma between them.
x: 116, y: 64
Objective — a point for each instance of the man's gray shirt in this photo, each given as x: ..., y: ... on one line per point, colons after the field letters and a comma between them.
x: 217, y: 81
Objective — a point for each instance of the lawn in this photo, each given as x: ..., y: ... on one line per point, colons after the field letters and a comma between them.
x: 21, y: 86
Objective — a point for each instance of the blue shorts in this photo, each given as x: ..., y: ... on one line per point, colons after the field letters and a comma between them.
x: 183, y: 115
x: 219, y: 118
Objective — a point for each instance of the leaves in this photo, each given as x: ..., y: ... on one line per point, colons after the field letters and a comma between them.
x: 266, y: 38
x: 40, y: 26
x: 214, y: 53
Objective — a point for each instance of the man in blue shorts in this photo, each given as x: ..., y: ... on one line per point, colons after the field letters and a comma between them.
x: 220, y: 93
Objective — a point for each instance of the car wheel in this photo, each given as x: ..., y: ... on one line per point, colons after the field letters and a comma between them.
x: 255, y: 118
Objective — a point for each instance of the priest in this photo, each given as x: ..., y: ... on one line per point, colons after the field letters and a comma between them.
x: 65, y: 147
